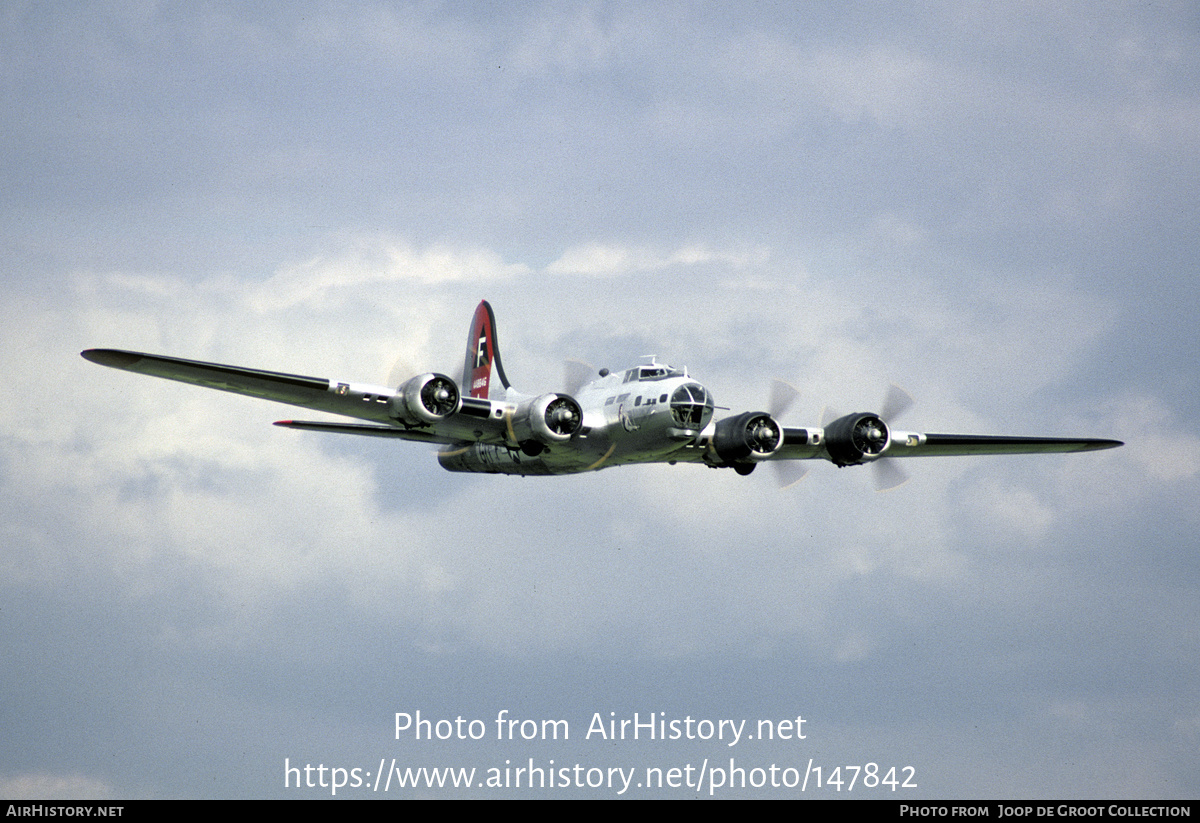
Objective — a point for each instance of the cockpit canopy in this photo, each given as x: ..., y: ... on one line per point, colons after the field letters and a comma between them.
x: 654, y: 371
x: 691, y: 406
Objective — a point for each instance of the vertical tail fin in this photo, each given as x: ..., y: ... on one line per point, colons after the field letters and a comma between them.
x: 483, y: 375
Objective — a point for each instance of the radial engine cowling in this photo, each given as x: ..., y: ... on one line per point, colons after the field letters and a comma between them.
x: 857, y: 438
x: 750, y: 436
x: 425, y: 399
x: 546, y: 420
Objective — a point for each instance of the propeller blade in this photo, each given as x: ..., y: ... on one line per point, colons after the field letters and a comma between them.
x: 576, y: 373
x: 888, y: 475
x: 401, y: 371
x: 896, y: 403
x: 782, y: 396
x: 788, y: 472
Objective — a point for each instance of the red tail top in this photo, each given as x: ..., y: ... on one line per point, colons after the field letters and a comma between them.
x: 483, y: 356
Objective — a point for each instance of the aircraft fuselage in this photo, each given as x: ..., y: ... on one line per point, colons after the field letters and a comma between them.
x: 643, y: 414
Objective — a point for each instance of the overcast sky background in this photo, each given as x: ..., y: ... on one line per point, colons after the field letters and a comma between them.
x: 991, y: 204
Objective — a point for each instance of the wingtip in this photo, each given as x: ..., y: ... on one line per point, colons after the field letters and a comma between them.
x: 1100, y: 445
x: 111, y: 357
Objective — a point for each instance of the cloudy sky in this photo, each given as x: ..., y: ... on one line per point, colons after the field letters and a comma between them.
x: 992, y: 204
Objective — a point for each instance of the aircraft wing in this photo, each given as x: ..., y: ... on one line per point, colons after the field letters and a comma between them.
x: 839, y: 446
x: 947, y: 445
x: 801, y: 444
x: 282, y: 388
x: 390, y: 412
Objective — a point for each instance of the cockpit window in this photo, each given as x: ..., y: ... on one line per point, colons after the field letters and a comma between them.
x: 691, y: 406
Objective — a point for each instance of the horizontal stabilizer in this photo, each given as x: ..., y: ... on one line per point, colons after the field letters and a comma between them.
x: 361, y: 428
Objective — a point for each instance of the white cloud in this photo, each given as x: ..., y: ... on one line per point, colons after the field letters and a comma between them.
x: 1166, y: 448
x: 604, y: 259
x: 1010, y: 513
x: 374, y: 262
x: 569, y: 42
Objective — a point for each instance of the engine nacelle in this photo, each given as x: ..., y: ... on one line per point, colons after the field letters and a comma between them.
x: 546, y: 420
x: 857, y: 438
x: 750, y: 436
x: 425, y: 399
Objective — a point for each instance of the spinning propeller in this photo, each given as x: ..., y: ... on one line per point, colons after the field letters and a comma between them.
x: 787, y: 472
x: 888, y: 474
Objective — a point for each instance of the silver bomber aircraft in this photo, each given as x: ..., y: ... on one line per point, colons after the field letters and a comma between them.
x: 651, y: 413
